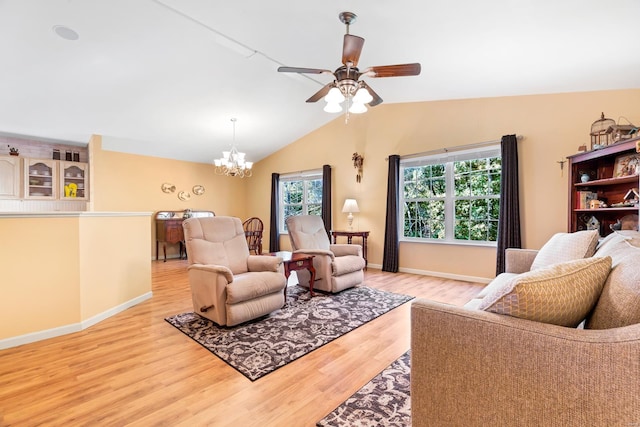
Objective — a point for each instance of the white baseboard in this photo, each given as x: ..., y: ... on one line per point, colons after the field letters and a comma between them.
x: 437, y: 274
x: 69, y: 329
x: 460, y: 277
x: 115, y: 310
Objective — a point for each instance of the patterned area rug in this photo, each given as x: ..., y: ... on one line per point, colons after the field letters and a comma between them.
x: 261, y: 346
x: 384, y: 401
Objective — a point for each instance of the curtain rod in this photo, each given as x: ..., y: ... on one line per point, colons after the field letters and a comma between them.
x: 452, y: 149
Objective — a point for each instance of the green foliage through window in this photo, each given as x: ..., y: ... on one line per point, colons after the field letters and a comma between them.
x: 300, y: 197
x: 455, y: 200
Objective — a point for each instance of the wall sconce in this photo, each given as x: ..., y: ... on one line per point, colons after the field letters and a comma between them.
x: 350, y: 206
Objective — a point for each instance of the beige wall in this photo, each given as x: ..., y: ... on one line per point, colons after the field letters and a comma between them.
x: 40, y: 276
x: 62, y: 271
x: 113, y: 263
x: 132, y: 183
x: 553, y: 127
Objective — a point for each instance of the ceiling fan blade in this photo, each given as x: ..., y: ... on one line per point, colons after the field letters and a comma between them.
x: 351, y: 49
x: 321, y: 93
x: 376, y: 98
x: 394, y: 70
x: 303, y: 70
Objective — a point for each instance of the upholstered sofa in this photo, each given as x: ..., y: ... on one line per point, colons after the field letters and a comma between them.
x: 504, y: 360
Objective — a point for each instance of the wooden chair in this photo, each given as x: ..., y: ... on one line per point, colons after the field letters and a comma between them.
x: 253, y: 232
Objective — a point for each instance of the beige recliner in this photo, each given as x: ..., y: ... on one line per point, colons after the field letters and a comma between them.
x: 338, y: 266
x: 229, y: 286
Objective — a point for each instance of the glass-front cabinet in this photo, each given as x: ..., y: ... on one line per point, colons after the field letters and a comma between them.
x: 40, y: 179
x: 74, y: 178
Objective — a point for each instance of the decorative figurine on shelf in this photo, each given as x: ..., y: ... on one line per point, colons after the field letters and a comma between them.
x: 358, y: 161
x: 13, y: 151
x: 593, y: 224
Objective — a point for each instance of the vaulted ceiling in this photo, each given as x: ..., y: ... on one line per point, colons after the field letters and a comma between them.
x: 164, y: 77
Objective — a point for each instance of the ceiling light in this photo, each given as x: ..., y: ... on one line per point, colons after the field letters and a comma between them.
x: 334, y: 96
x: 232, y: 163
x: 354, y: 92
x: 65, y: 32
x: 363, y: 96
x: 357, y: 108
x: 333, y: 107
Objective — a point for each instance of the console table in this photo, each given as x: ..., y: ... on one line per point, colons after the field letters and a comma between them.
x: 350, y: 235
x: 169, y: 229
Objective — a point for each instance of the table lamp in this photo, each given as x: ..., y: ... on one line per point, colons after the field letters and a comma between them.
x: 350, y: 206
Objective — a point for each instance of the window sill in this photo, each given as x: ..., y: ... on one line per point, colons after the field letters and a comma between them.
x: 451, y: 242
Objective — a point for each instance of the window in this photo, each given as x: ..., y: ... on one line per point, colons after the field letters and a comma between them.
x: 451, y: 197
x: 300, y: 194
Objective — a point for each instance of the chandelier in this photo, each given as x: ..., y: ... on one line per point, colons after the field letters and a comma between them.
x: 232, y: 163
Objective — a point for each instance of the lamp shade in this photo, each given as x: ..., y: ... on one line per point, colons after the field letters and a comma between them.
x: 350, y: 205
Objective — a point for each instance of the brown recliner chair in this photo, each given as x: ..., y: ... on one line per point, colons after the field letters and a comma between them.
x: 229, y: 286
x: 338, y: 266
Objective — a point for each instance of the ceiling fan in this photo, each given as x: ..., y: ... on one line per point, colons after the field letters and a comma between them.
x: 347, y: 84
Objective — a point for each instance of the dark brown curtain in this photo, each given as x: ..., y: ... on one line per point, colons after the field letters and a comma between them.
x: 274, y: 233
x: 509, y: 219
x: 326, y: 197
x: 391, y: 247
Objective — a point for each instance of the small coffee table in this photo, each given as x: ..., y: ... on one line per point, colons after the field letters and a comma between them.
x: 295, y: 262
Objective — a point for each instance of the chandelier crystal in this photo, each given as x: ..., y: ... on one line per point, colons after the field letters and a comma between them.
x: 233, y: 163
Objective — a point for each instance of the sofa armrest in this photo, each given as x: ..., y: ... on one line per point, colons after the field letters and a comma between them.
x: 519, y: 260
x: 215, y: 269
x: 476, y: 368
x: 343, y: 249
x: 264, y: 263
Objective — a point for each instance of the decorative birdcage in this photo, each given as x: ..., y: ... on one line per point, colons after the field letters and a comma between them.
x: 600, y: 137
x: 621, y: 132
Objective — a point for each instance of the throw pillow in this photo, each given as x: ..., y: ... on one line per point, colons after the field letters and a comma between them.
x: 619, y: 302
x: 564, y: 247
x: 561, y: 294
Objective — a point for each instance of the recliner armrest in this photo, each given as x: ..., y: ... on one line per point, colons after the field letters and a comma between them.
x: 315, y: 252
x: 519, y: 260
x: 264, y: 263
x: 216, y: 269
x: 342, y: 249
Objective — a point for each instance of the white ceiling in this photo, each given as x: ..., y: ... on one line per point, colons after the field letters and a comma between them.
x: 155, y: 76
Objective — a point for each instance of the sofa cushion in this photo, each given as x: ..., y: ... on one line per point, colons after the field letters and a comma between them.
x: 619, y: 302
x: 561, y: 294
x: 564, y: 247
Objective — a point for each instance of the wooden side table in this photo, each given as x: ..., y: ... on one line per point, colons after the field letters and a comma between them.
x: 350, y: 235
x: 295, y: 262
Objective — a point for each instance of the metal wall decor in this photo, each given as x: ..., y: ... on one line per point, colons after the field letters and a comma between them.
x: 358, y: 161
x: 168, y: 188
x: 198, y: 190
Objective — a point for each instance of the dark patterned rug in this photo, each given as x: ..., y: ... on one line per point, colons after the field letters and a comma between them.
x: 384, y: 401
x: 261, y: 346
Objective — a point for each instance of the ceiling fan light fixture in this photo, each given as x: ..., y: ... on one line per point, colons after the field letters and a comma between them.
x: 334, y: 96
x: 333, y: 107
x: 362, y: 96
x: 357, y: 108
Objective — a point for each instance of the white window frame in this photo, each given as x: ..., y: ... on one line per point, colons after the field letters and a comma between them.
x: 447, y: 158
x: 311, y: 175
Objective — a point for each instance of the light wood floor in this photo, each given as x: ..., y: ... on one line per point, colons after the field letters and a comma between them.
x: 136, y: 369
